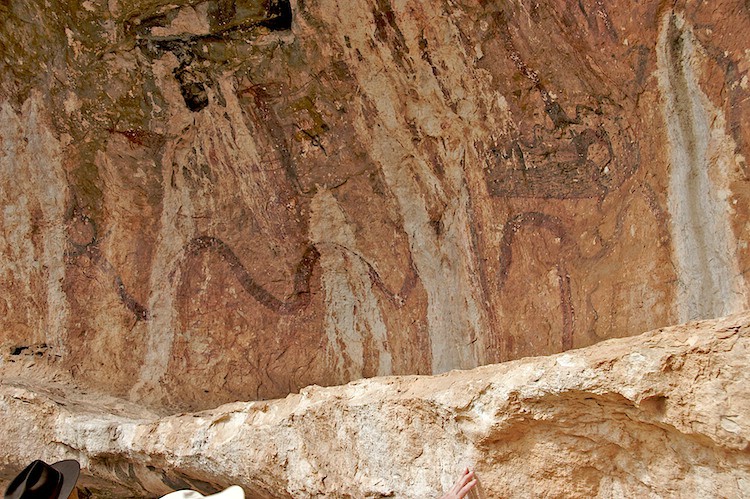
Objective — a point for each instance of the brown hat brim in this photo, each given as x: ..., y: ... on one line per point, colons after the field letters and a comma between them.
x: 70, y: 469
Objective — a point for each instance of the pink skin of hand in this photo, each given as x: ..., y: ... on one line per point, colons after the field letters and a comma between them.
x: 462, y: 486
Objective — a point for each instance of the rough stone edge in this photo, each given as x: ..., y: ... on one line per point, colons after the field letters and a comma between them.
x: 129, y: 451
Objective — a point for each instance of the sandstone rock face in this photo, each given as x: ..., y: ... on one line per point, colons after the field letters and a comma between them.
x: 664, y: 414
x: 215, y: 200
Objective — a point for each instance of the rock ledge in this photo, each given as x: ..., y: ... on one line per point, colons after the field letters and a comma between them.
x: 663, y: 414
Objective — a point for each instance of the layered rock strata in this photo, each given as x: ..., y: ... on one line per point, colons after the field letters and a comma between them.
x: 664, y: 414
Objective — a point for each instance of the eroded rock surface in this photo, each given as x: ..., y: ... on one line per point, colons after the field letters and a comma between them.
x: 206, y: 201
x: 664, y: 414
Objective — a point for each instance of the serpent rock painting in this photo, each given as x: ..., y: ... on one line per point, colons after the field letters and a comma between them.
x: 223, y: 200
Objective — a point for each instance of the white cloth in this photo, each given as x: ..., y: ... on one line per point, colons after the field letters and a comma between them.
x: 233, y: 492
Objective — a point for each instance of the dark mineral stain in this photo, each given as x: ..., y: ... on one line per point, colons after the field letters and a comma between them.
x: 388, y: 32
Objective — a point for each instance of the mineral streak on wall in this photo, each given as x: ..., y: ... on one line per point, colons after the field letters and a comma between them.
x: 213, y: 200
x: 710, y: 283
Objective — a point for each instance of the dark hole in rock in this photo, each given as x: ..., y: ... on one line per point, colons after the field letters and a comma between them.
x: 280, y: 15
x: 195, y: 96
x: 18, y: 350
x: 192, y: 89
x: 656, y: 404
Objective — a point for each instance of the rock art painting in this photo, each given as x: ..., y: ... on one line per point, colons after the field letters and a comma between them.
x: 211, y: 201
x: 566, y: 156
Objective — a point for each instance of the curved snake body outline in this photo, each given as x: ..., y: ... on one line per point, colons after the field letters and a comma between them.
x: 300, y: 296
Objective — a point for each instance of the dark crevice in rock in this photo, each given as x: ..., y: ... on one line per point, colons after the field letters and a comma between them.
x: 193, y: 91
x: 279, y: 15
x: 18, y: 350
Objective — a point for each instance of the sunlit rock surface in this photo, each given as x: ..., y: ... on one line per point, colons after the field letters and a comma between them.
x: 664, y: 414
x: 222, y: 200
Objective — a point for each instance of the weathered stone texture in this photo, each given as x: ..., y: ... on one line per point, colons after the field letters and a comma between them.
x: 208, y: 201
x: 664, y: 414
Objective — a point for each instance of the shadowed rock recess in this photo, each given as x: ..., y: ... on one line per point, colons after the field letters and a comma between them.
x: 664, y: 414
x: 206, y: 201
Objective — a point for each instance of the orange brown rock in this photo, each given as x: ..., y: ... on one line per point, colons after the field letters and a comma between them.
x: 211, y: 201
